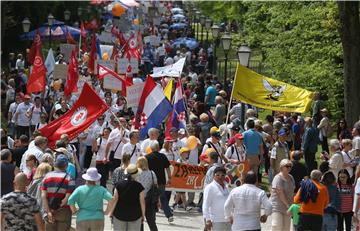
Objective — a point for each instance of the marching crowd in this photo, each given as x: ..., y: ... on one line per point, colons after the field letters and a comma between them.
x: 42, y: 188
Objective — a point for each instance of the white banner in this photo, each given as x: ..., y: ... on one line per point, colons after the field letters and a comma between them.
x: 173, y: 70
x: 112, y: 83
x: 133, y: 94
x: 60, y: 71
x: 123, y: 64
x: 66, y: 50
x: 108, y: 64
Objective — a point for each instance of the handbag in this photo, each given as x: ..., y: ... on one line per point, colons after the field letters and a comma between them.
x: 152, y: 196
x: 55, y: 202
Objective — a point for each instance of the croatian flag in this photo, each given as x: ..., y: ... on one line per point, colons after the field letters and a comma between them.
x: 178, y: 115
x: 153, y: 108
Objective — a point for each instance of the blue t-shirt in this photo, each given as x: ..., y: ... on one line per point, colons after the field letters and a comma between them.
x: 71, y: 170
x: 211, y: 92
x: 90, y: 203
x: 252, y: 141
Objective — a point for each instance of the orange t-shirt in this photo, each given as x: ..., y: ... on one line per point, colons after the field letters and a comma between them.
x: 320, y: 204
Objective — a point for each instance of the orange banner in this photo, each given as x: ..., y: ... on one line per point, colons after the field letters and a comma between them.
x: 186, y: 177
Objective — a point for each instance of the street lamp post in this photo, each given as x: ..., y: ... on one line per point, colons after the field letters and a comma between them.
x: 79, y: 11
x: 67, y: 15
x: 202, y: 23
x: 197, y: 24
x: 244, y: 53
x: 51, y: 20
x: 215, y: 30
x: 226, y: 43
x: 207, y: 27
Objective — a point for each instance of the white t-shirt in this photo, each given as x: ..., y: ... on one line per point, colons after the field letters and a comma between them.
x: 101, y: 143
x: 233, y: 151
x: 128, y: 148
x: 144, y: 145
x: 36, y: 112
x: 115, y: 138
x: 169, y: 155
x: 356, y: 142
x: 22, y: 119
x: 177, y: 145
x: 348, y: 158
x: 217, y: 146
x: 12, y: 109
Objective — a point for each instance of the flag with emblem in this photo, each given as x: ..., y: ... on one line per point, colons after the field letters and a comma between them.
x: 72, y: 76
x: 36, y: 45
x: 104, y: 71
x: 153, y: 108
x: 37, y: 80
x: 84, y: 112
x: 179, y: 111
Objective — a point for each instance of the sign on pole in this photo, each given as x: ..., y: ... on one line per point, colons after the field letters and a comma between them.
x: 133, y: 94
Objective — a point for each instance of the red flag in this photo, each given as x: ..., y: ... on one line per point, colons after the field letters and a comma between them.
x: 163, y: 82
x: 37, y: 82
x: 72, y: 76
x: 133, y: 48
x: 168, y: 124
x: 84, y: 112
x: 82, y: 30
x: 92, y: 25
x: 92, y: 54
x: 70, y: 38
x: 129, y: 75
x: 36, y: 45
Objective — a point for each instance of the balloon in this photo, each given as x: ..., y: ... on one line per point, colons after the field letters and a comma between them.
x: 117, y: 10
x: 148, y: 150
x: 136, y: 21
x: 105, y: 56
x: 57, y: 85
x: 192, y: 142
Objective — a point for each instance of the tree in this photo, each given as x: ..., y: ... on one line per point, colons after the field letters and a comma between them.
x: 350, y: 38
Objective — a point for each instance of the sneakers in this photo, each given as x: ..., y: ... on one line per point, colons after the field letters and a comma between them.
x: 171, y: 219
x: 187, y: 209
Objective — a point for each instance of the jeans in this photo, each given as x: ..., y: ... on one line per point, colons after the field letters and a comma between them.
x: 88, y: 157
x: 329, y: 222
x: 150, y: 214
x: 164, y: 202
x: 348, y: 220
x: 310, y: 161
x: 103, y: 169
x: 310, y: 222
x: 120, y: 225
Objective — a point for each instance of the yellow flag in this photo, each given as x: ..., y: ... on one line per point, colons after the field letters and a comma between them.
x: 168, y: 89
x: 263, y: 92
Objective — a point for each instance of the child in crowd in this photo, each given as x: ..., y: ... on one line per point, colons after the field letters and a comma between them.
x: 293, y: 211
x: 184, y: 159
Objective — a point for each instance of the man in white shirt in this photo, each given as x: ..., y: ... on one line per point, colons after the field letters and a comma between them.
x: 34, y: 112
x: 21, y: 120
x: 356, y: 139
x: 243, y: 206
x: 37, y: 150
x: 213, y: 142
x: 11, y: 116
x: 215, y: 195
x: 132, y: 148
x: 153, y: 134
x: 116, y: 141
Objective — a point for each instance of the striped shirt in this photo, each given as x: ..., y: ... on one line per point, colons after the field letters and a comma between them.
x: 53, y: 180
x: 346, y: 198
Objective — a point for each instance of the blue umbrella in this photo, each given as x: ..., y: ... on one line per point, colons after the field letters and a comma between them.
x: 178, y: 26
x: 191, y: 43
x: 58, y: 32
x: 177, y: 10
x: 178, y: 16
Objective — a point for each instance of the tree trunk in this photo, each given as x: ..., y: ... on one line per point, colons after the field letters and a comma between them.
x: 350, y: 38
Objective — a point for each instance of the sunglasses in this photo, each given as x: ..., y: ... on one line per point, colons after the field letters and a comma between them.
x: 288, y: 166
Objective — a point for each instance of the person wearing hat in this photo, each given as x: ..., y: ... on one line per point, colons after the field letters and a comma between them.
x: 89, y: 214
x: 177, y: 144
x: 235, y: 153
x: 57, y: 217
x: 22, y: 122
x: 128, y: 205
x: 213, y: 142
x: 167, y: 149
x: 279, y: 152
x: 325, y: 129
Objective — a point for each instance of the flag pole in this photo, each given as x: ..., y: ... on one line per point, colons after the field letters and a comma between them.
x: 230, y: 101
x: 80, y: 47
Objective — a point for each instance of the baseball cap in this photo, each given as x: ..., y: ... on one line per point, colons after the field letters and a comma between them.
x: 61, y: 161
x: 282, y: 132
x: 27, y: 96
x: 184, y: 149
x: 239, y: 136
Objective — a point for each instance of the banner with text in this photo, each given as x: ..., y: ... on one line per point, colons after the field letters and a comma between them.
x: 186, y: 177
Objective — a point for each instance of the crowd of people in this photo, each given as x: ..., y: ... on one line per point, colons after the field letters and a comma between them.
x: 42, y: 188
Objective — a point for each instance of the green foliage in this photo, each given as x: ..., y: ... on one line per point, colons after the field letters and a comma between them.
x: 298, y: 42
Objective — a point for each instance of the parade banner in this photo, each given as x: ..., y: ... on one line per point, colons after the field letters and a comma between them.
x: 133, y: 94
x: 186, y: 177
x: 260, y: 91
x: 66, y: 50
x: 124, y: 63
x: 173, y: 70
x: 112, y: 83
x: 60, y: 71
x: 108, y: 64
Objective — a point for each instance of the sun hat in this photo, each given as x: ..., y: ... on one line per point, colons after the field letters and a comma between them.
x: 133, y: 170
x: 91, y: 175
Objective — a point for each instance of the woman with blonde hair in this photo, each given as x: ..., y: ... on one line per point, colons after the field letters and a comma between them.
x: 147, y: 178
x: 34, y: 187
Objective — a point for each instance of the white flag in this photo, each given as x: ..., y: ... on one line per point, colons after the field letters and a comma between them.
x: 50, y: 64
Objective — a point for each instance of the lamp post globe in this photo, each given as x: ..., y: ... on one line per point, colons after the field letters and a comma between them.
x: 51, y: 19
x: 26, y: 25
x: 215, y: 30
x: 244, y: 53
x: 67, y: 15
x: 226, y: 42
